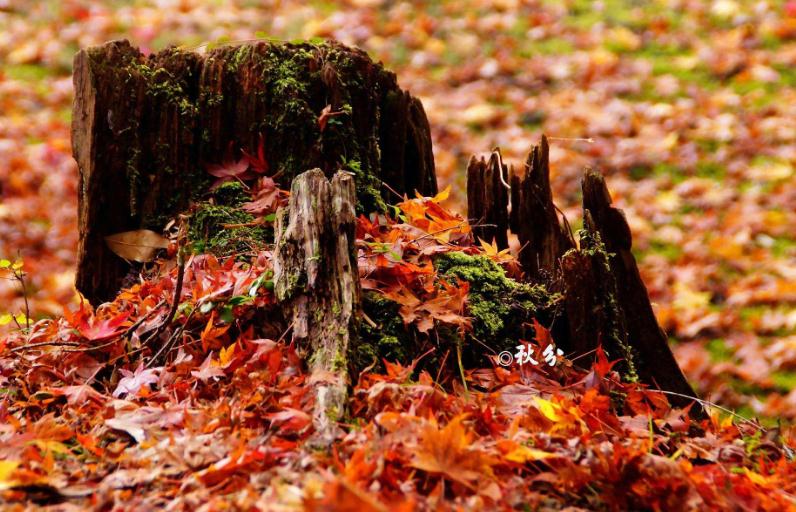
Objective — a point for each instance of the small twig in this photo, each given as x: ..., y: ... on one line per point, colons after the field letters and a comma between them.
x: 388, y: 187
x: 94, y: 347
x: 282, y: 337
x: 25, y: 296
x: 573, y: 139
x: 175, y: 302
x: 143, y: 318
x: 257, y: 222
x: 45, y: 344
x: 442, y: 364
x: 711, y: 404
x: 166, y: 347
x: 461, y: 224
x: 459, y: 362
x: 496, y: 151
x: 568, y: 227
x: 369, y: 320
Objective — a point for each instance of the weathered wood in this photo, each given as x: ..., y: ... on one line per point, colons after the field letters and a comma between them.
x: 655, y: 362
x: 487, y: 199
x: 534, y: 218
x: 605, y: 301
x: 593, y: 313
x: 146, y: 127
x: 317, y: 282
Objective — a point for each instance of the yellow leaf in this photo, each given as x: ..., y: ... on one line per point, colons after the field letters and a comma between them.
x: 140, y: 245
x: 5, y: 319
x: 757, y: 478
x: 48, y: 445
x: 489, y: 249
x: 225, y: 355
x: 523, y: 454
x: 548, y: 409
x: 7, y: 468
x: 442, y: 196
x: 688, y: 299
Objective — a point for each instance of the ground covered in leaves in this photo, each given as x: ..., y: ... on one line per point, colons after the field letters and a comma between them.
x: 688, y: 107
x: 182, y: 394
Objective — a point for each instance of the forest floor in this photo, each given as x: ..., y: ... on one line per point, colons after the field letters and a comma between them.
x: 688, y: 108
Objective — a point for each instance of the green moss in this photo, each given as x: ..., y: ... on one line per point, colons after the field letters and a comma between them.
x: 242, y: 53
x: 389, y: 339
x: 207, y: 231
x: 231, y: 193
x: 498, y: 305
x: 786, y: 381
x: 339, y: 362
x: 26, y: 72
x: 162, y: 84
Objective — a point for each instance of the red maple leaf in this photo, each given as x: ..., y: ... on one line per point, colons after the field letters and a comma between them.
x: 266, y: 197
x: 259, y: 164
x: 93, y: 329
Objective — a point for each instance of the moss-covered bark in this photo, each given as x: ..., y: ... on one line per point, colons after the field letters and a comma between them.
x: 146, y: 127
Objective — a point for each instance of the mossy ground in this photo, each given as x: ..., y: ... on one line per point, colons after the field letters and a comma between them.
x: 499, y: 306
x: 501, y: 310
x: 388, y: 339
x: 221, y: 227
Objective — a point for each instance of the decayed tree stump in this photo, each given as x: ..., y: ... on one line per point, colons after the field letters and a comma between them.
x: 652, y: 357
x: 317, y: 283
x: 145, y: 128
x: 605, y: 301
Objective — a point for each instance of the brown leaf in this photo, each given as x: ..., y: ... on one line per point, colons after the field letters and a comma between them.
x: 140, y: 245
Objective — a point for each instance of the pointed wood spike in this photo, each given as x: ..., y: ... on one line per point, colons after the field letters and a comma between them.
x: 535, y: 219
x: 653, y: 358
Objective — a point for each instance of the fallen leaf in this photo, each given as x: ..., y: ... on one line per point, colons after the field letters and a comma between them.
x: 140, y: 245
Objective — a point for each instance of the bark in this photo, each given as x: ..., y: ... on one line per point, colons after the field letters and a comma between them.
x: 654, y: 360
x: 534, y: 218
x: 146, y: 127
x: 487, y: 199
x: 317, y: 282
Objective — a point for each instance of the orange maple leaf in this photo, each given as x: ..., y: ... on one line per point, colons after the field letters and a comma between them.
x: 213, y: 336
x: 450, y: 452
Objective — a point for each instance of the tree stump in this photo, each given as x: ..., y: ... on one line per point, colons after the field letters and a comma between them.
x: 145, y: 128
x: 605, y: 301
x: 317, y: 283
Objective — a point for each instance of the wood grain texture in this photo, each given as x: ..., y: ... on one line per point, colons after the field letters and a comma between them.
x: 317, y: 283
